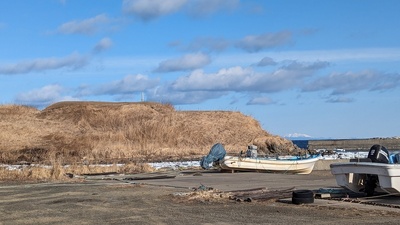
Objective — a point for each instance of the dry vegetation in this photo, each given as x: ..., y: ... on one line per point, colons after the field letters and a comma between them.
x: 101, y: 132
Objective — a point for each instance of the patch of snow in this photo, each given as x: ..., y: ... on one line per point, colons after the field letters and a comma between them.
x: 175, y: 165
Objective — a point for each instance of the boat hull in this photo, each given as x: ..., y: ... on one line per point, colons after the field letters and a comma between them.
x: 301, y: 166
x: 352, y: 175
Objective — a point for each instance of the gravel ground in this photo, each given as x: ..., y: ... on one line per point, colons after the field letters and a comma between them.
x: 116, y: 202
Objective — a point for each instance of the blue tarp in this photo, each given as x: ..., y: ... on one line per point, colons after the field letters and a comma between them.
x: 216, y: 153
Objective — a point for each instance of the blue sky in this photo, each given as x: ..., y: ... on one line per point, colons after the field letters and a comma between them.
x: 319, y: 68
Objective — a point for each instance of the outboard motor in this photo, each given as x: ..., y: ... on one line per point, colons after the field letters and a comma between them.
x: 251, y: 151
x: 378, y: 154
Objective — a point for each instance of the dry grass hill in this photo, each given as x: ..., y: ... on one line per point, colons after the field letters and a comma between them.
x: 72, y: 132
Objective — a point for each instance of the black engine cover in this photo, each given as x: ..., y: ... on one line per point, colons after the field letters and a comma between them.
x: 379, y: 154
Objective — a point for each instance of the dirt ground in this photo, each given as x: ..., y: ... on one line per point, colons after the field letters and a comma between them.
x: 115, y: 202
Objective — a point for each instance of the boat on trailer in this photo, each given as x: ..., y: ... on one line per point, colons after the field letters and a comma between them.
x: 380, y: 172
x: 250, y: 161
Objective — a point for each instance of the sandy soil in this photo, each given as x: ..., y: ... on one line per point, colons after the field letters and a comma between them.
x: 116, y: 202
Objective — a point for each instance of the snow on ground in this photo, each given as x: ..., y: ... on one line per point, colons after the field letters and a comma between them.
x: 157, y: 165
x: 175, y: 165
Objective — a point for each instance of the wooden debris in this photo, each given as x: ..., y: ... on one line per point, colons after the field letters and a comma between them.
x: 99, y: 174
x: 322, y: 195
x: 259, y: 194
x: 150, y: 177
x: 330, y: 195
x: 249, y: 195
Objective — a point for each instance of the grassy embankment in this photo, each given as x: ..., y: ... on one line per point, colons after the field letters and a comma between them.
x: 83, y: 134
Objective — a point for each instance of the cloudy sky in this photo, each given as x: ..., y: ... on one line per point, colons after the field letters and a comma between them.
x: 320, y: 68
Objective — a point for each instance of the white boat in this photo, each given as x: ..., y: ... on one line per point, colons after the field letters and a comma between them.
x: 380, y: 174
x: 251, y: 162
x: 354, y: 175
x: 297, y: 165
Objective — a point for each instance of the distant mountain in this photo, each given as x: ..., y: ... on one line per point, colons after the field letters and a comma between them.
x: 297, y: 136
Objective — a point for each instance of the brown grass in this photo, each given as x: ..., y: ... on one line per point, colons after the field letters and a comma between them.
x: 98, y: 132
x: 57, y: 172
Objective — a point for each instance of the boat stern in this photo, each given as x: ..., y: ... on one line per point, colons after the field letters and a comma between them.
x: 354, y: 176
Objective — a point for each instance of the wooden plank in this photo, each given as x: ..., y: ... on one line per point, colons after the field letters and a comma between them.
x: 330, y: 195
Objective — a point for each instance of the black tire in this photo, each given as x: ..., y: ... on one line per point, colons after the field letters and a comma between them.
x: 303, y: 194
x: 302, y: 200
x: 302, y: 197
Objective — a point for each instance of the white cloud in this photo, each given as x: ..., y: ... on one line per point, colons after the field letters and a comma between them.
x: 341, y: 55
x: 251, y: 43
x: 297, y: 66
x: 344, y: 83
x: 266, y: 61
x: 102, y: 45
x: 86, y: 26
x: 200, y: 8
x: 129, y: 84
x: 341, y: 99
x: 255, y: 43
x: 73, y: 61
x: 260, y: 101
x: 147, y: 10
x: 225, y: 79
x: 165, y: 94
x: 151, y: 9
x: 245, y: 79
x: 186, y: 62
x: 335, y: 57
x: 43, y: 96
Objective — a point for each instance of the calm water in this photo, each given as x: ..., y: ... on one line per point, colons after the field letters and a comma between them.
x: 301, y: 143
